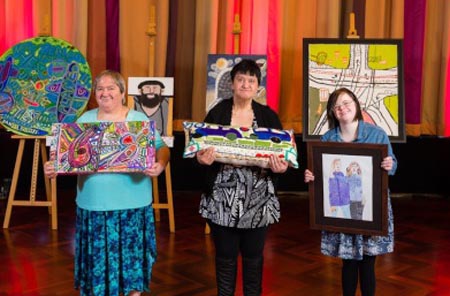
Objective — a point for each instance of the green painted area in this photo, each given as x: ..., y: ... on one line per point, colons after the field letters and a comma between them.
x: 262, y: 143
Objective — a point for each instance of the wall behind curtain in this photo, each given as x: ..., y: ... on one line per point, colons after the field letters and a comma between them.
x: 187, y: 30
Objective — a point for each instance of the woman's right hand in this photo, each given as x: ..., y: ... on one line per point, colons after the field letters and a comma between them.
x: 309, y: 176
x: 49, y: 169
x: 206, y: 156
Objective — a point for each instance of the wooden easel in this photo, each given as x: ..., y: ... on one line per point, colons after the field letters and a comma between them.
x: 352, y: 34
x: 50, y: 185
x: 157, y: 205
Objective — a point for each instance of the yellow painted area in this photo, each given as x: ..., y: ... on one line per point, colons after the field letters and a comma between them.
x: 334, y: 55
x: 382, y: 56
x: 391, y: 104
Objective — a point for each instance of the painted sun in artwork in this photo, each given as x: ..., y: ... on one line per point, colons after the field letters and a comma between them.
x: 221, y: 63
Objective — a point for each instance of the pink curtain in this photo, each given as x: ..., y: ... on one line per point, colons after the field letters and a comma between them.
x: 447, y: 94
x: 112, y: 35
x: 260, y: 34
x: 16, y: 22
x: 413, y: 58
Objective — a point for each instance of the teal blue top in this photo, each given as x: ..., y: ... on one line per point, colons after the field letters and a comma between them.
x: 115, y: 191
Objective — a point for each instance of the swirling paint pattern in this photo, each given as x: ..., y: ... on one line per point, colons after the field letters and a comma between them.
x: 43, y: 80
x: 103, y: 146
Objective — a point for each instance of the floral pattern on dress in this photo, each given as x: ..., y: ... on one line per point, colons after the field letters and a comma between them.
x: 354, y: 246
x: 114, y: 251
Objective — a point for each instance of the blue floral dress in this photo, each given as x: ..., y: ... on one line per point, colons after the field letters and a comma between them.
x: 354, y: 246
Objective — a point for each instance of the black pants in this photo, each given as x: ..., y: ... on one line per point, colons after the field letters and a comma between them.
x: 229, y: 242
x: 364, y: 270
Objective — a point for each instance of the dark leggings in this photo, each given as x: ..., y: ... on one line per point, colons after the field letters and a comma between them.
x: 229, y: 241
x: 365, y: 270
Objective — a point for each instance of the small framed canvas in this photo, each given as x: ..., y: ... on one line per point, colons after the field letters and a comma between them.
x: 349, y: 193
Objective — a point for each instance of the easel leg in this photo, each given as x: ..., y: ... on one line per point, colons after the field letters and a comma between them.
x: 54, y: 208
x: 14, y: 180
x: 156, y: 197
x: 46, y: 180
x: 170, y: 199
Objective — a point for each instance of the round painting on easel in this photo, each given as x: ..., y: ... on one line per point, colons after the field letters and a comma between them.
x: 43, y: 80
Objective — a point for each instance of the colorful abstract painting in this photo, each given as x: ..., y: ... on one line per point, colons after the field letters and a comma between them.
x: 240, y: 145
x: 43, y: 80
x: 103, y: 146
x: 218, y: 83
x: 370, y: 68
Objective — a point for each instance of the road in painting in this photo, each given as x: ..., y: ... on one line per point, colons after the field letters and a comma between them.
x: 371, y: 71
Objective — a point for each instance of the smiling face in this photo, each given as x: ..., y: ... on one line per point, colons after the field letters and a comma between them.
x: 151, y: 95
x: 108, y: 94
x: 245, y: 86
x: 345, y: 109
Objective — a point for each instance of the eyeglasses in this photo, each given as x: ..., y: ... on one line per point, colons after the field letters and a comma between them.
x: 344, y: 104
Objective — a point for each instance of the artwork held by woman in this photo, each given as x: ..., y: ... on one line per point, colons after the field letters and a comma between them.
x: 240, y: 145
x: 103, y: 147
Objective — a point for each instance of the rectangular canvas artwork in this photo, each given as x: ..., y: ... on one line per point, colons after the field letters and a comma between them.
x: 371, y: 68
x: 80, y: 148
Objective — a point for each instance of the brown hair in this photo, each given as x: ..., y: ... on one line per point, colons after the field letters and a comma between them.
x: 353, y: 164
x: 331, y: 117
x: 116, y: 76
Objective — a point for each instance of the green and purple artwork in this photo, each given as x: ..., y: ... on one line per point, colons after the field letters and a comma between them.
x: 78, y: 148
x: 43, y: 80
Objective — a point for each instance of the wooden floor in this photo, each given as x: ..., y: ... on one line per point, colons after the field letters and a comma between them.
x: 34, y: 260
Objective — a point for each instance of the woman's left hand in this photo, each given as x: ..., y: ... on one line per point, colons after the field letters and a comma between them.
x: 387, y: 163
x: 277, y: 165
x: 155, y: 170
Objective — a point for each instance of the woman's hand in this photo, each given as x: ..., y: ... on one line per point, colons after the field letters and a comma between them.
x: 387, y: 163
x: 309, y: 176
x: 206, y: 156
x: 49, y: 169
x: 277, y: 165
x: 155, y: 170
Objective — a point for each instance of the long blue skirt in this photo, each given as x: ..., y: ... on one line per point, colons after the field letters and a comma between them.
x: 114, y: 251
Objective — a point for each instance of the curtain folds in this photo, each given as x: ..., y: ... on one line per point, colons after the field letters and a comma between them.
x: 16, y: 22
x: 434, y: 68
x: 113, y: 34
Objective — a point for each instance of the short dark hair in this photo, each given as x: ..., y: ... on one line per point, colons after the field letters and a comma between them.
x: 151, y: 82
x: 246, y: 66
x: 331, y: 117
